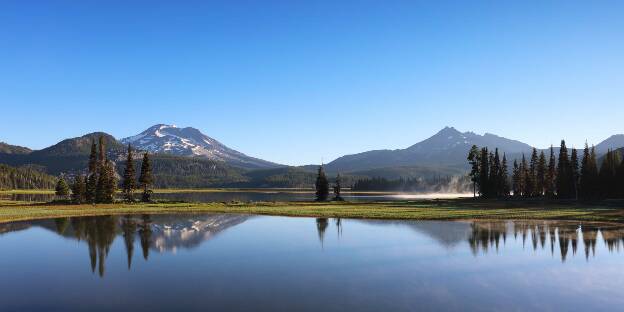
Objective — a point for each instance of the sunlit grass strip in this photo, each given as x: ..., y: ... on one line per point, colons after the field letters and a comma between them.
x: 449, y: 210
x: 19, y: 192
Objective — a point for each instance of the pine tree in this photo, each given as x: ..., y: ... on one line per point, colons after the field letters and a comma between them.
x: 585, y: 175
x: 62, y: 189
x: 593, y: 173
x: 494, y: 176
x: 338, y: 188
x: 540, y: 179
x: 79, y: 190
x: 525, y: 177
x: 515, y: 180
x: 563, y: 173
x: 100, y: 192
x: 110, y: 185
x: 322, y: 185
x: 503, y: 178
x: 129, y: 176
x: 484, y: 171
x: 102, y: 175
x: 608, y: 175
x: 551, y: 174
x: 574, y: 174
x: 474, y: 161
x: 91, y: 183
x: 532, y: 181
x: 620, y: 178
x: 145, y: 179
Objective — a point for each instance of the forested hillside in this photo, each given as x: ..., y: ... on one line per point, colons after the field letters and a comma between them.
x: 191, y: 172
x: 13, y: 149
x: 24, y: 178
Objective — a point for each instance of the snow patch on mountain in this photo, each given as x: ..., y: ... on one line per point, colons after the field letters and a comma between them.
x: 170, y: 139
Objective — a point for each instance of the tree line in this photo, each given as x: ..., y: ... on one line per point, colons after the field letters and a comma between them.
x: 25, y: 177
x: 100, y: 183
x: 564, y: 177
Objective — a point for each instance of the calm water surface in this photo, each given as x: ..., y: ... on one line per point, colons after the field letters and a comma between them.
x: 251, y: 196
x: 237, y: 262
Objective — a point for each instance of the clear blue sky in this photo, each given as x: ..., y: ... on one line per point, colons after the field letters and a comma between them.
x: 297, y: 81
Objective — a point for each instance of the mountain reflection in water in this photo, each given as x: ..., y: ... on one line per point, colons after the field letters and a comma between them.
x: 169, y: 233
x: 161, y: 233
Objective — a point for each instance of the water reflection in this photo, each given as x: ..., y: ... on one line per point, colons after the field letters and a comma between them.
x: 159, y: 233
x: 168, y: 233
x: 483, y: 237
x: 564, y: 236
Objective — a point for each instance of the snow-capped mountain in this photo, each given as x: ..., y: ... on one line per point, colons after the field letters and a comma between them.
x: 170, y: 234
x: 169, y: 139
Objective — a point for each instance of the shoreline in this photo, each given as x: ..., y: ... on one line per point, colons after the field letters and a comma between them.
x: 432, y: 209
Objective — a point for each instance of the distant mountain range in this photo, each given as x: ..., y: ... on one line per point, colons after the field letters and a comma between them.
x: 185, y: 157
x: 447, y: 148
x: 444, y: 151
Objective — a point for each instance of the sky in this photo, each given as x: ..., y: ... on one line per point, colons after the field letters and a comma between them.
x: 300, y: 82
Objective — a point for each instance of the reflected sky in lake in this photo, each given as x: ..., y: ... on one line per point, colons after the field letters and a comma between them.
x: 240, y: 262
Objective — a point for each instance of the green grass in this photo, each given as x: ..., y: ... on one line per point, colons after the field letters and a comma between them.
x: 10, y: 192
x: 460, y: 209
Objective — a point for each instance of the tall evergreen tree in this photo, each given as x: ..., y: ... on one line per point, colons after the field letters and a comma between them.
x: 91, y: 183
x: 574, y: 174
x: 525, y: 176
x: 110, y: 184
x: 540, y: 179
x: 515, y: 180
x: 585, y: 179
x: 62, y: 189
x: 102, y: 174
x: 608, y: 174
x: 474, y: 161
x: 593, y: 172
x: 145, y: 179
x: 338, y: 188
x: 551, y: 174
x: 503, y: 178
x: 321, y: 185
x: 484, y: 171
x: 79, y: 190
x: 620, y: 178
x: 494, y: 177
x: 563, y: 178
x: 129, y: 176
x: 101, y: 152
x: 532, y: 181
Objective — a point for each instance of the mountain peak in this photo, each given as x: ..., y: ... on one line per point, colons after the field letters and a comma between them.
x: 448, y: 130
x: 188, y: 141
x: 613, y: 142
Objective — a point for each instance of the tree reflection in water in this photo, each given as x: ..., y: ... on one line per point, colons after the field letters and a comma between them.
x: 166, y: 233
x: 566, y: 235
x: 321, y: 226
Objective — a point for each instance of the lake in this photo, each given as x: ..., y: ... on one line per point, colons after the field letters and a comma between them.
x: 241, y: 263
x: 253, y: 196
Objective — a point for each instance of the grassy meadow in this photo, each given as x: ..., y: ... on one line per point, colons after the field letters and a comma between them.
x: 447, y: 209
